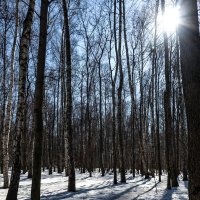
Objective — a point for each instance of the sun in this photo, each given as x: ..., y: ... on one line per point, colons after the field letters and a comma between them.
x: 170, y: 20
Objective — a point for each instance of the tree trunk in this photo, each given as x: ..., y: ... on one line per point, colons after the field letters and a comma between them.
x: 190, y: 64
x: 167, y: 107
x: 101, y: 123
x: 131, y: 88
x: 38, y: 102
x: 8, y: 117
x: 157, y: 94
x: 114, y: 148
x: 69, y: 128
x: 23, y: 62
x: 3, y: 94
x: 119, y: 106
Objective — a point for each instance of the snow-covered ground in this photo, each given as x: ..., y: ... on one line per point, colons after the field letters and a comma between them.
x: 54, y: 187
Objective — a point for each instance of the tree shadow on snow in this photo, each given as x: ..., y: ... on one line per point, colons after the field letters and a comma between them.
x: 117, y: 196
x: 146, y: 191
x: 65, y: 195
x: 167, y: 194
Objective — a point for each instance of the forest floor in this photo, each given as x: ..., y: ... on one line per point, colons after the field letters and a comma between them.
x: 54, y: 187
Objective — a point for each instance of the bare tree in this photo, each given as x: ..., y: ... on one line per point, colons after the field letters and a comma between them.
x: 38, y: 102
x: 119, y: 93
x: 8, y: 116
x: 23, y: 62
x: 190, y: 65
x: 69, y: 128
x: 167, y: 106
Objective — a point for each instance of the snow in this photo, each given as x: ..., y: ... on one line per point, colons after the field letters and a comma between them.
x: 54, y: 187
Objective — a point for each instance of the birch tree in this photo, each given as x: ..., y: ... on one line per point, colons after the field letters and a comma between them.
x: 8, y: 115
x: 23, y: 63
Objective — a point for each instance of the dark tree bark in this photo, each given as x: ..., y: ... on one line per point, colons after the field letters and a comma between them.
x: 58, y: 119
x: 3, y: 81
x: 69, y: 128
x: 114, y: 147
x: 142, y: 106
x: 119, y: 93
x: 167, y: 107
x: 157, y: 95
x: 101, y: 144
x: 38, y: 102
x: 190, y: 65
x: 131, y: 88
x: 82, y: 149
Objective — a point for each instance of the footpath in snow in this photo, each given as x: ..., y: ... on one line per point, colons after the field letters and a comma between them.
x: 54, y: 187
